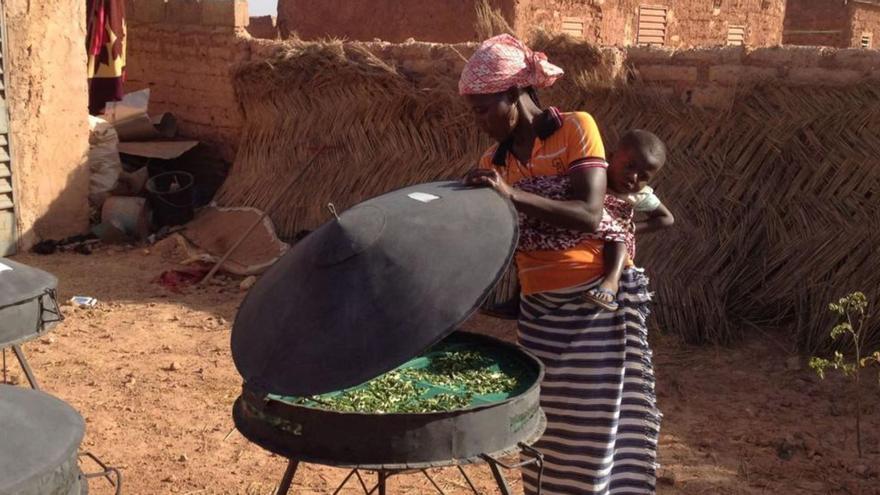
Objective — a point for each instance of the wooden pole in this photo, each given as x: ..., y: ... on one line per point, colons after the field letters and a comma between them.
x: 269, y: 209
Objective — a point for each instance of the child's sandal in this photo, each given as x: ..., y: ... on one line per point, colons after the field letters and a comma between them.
x: 593, y: 296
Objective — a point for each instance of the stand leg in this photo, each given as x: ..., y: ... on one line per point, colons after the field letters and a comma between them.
x: 361, y: 481
x: 287, y: 480
x: 468, y: 479
x: 499, y: 478
x: 436, y: 486
x: 24, y: 366
x: 345, y: 481
x: 383, y: 478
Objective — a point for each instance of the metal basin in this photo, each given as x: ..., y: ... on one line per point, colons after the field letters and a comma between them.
x: 312, y: 434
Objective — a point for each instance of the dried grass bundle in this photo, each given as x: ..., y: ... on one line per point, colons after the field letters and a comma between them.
x: 489, y: 22
x: 776, y: 198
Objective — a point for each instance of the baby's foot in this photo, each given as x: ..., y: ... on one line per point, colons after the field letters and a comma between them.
x: 604, y: 295
x: 609, y: 294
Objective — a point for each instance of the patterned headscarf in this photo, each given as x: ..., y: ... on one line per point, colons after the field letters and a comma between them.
x: 503, y: 62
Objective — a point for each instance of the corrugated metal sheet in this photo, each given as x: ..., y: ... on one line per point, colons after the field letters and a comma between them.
x: 7, y: 204
x: 573, y: 26
x: 651, y: 25
x: 736, y: 35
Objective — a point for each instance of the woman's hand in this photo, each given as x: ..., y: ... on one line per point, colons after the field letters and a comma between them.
x: 490, y: 178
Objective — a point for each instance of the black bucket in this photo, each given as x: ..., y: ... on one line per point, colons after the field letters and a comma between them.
x: 171, y: 196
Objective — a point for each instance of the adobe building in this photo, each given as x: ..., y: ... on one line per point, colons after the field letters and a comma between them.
x: 837, y: 23
x: 44, y: 122
x: 674, y: 23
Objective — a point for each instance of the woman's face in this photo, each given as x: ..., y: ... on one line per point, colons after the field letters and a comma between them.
x: 496, y: 114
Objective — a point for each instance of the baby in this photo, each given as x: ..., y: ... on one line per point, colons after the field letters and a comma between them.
x: 639, y: 157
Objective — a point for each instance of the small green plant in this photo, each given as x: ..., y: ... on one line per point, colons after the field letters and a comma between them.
x: 852, y: 313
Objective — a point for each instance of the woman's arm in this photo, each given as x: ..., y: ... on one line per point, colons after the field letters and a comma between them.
x: 657, y: 219
x: 584, y: 213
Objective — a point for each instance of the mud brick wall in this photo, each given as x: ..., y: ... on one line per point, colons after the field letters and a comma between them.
x: 549, y: 15
x: 263, y: 27
x: 693, y: 23
x: 817, y: 23
x: 864, y: 20
x: 606, y: 22
x: 710, y: 77
x: 184, y: 50
x: 445, y: 21
x: 45, y: 88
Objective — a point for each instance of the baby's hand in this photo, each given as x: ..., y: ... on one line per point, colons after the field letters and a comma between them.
x: 478, y: 177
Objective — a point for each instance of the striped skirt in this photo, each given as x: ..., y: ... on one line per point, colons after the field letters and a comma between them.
x: 598, y: 391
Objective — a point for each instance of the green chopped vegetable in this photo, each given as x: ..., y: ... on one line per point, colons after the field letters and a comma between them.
x: 450, y: 381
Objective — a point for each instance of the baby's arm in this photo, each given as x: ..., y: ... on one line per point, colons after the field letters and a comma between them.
x: 657, y: 219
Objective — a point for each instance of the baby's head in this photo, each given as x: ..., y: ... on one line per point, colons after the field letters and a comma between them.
x: 639, y: 156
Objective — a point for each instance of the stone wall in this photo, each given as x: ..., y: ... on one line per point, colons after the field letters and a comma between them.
x: 184, y: 50
x: 48, y: 109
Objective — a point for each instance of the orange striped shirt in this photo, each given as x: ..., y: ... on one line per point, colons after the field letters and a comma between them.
x: 575, y: 144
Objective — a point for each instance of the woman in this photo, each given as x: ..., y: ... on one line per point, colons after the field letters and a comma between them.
x: 598, y: 392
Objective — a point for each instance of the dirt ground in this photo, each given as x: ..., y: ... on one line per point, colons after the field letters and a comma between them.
x: 151, y: 372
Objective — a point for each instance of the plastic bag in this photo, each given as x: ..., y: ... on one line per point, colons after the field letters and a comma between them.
x: 103, y: 160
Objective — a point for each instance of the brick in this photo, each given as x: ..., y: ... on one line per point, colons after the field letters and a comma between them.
x: 857, y: 59
x: 642, y: 54
x: 667, y: 73
x: 242, y: 18
x: 775, y: 56
x: 731, y: 75
x: 184, y: 12
x: 205, y: 82
x: 145, y: 11
x: 793, y: 56
x: 824, y: 77
x: 218, y: 13
x: 710, y: 55
x: 230, y: 13
x: 222, y: 53
x: 144, y: 46
x: 263, y: 27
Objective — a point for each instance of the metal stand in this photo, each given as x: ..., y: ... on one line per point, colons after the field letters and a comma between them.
x: 107, y: 472
x: 28, y: 372
x: 382, y: 475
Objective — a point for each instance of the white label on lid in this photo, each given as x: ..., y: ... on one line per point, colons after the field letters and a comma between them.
x: 423, y: 197
x: 4, y: 268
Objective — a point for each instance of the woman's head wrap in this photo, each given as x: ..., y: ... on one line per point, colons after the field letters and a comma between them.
x: 503, y: 62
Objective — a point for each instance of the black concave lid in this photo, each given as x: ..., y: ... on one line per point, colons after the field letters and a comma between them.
x: 368, y: 291
x: 22, y: 283
x: 37, y: 434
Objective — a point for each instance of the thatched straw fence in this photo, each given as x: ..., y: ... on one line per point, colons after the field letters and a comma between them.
x: 776, y: 199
